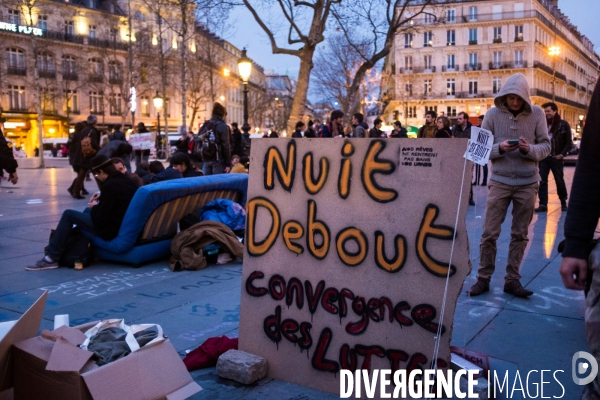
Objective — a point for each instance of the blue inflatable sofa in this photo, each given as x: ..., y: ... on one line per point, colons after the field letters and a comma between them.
x: 151, y: 220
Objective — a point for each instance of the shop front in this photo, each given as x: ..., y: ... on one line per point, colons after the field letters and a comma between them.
x: 22, y: 130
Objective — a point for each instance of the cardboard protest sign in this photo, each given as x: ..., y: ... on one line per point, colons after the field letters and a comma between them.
x: 142, y: 141
x: 347, y: 250
x: 480, y: 146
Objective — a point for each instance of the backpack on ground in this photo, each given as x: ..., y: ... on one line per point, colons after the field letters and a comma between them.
x: 77, y: 249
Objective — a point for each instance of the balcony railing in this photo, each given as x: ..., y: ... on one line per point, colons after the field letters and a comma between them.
x: 70, y: 76
x: 518, y: 39
x: 471, y: 42
x: 547, y: 95
x: 473, y: 67
x: 405, y: 70
x: 446, y: 68
x: 97, y: 112
x: 572, y: 83
x: 18, y: 71
x: 95, y: 78
x: 47, y: 73
x: 498, y: 40
x: 18, y: 109
x: 115, y: 81
x: 475, y: 95
x: 422, y: 70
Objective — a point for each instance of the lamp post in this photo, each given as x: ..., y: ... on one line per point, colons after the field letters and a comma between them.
x: 554, y: 52
x: 245, y: 69
x: 158, y: 103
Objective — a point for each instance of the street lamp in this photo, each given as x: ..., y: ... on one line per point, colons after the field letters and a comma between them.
x: 554, y: 52
x: 158, y: 103
x: 245, y: 69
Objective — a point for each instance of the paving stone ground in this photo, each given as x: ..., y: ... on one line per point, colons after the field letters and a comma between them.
x: 540, y: 333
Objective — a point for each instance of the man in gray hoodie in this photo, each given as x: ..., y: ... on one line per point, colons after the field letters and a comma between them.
x: 520, y: 143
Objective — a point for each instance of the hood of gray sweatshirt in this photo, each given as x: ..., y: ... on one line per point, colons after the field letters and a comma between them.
x: 516, y: 168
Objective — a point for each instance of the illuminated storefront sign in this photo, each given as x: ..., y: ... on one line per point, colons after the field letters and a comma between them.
x: 5, y: 26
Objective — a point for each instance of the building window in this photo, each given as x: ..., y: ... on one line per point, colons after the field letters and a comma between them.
x: 451, y: 61
x: 428, y: 39
x: 498, y: 34
x: 139, y: 16
x: 472, y: 86
x: 518, y: 33
x: 14, y: 17
x: 95, y: 67
x: 45, y: 62
x: 496, y: 84
x: 427, y: 87
x: 451, y: 37
x: 92, y: 31
x: 47, y: 98
x: 408, y: 40
x: 473, y: 61
x: 15, y: 59
x: 411, y: 112
x: 113, y: 35
x: 428, y: 19
x: 408, y: 62
x: 450, y: 87
x: 519, y: 60
x: 96, y: 106
x: 144, y: 106
x: 71, y: 102
x: 408, y: 88
x: 427, y: 62
x: 115, y: 104
x: 69, y: 66
x: 16, y: 97
x: 69, y: 29
x: 473, y: 13
x: 473, y: 36
x: 497, y: 59
x: 114, y: 72
x: 451, y: 111
x: 42, y: 22
x: 450, y: 16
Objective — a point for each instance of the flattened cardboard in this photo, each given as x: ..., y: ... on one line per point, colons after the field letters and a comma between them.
x: 25, y: 328
x: 71, y: 335
x: 358, y: 307
x: 66, y: 356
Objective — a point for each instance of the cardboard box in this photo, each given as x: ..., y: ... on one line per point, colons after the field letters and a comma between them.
x: 12, y: 332
x: 51, y: 366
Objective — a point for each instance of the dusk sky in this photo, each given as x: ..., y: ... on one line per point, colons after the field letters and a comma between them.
x: 583, y: 14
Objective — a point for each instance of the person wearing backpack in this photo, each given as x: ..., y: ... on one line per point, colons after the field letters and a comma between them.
x: 216, y: 151
x: 89, y: 137
x: 103, y: 218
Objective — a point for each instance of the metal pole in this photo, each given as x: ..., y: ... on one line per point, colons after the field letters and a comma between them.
x: 246, y: 127
x: 130, y: 61
x: 554, y: 78
x: 158, y: 131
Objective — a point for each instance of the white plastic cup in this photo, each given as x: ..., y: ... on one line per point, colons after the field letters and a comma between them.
x: 60, y: 320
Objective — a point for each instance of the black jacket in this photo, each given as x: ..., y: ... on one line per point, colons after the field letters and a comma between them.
x: 237, y: 143
x: 310, y: 133
x: 460, y: 133
x: 443, y: 133
x: 107, y: 215
x: 561, y: 137
x: 401, y: 134
x: 584, y: 204
x: 297, y: 134
x: 191, y: 173
x: 375, y: 133
x: 117, y: 135
x: 7, y: 158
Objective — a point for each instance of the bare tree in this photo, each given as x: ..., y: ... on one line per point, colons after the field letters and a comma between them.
x: 305, y: 23
x: 334, y: 72
x: 378, y: 23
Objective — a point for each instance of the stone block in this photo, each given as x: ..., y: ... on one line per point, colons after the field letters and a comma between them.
x: 241, y: 367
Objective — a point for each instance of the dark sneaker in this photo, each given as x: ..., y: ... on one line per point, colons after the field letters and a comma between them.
x: 484, y: 183
x: 480, y: 287
x: 42, y: 265
x: 541, y: 208
x: 515, y: 288
x: 471, y: 202
x: 84, y: 192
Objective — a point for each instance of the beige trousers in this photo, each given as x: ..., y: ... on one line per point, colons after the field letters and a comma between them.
x: 499, y: 198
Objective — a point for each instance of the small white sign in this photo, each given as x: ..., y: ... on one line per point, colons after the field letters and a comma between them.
x: 480, y: 146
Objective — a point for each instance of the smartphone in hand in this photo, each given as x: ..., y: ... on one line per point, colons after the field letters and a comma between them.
x: 513, y: 142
